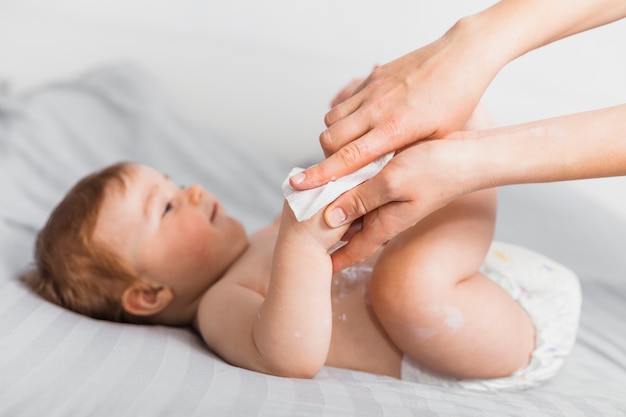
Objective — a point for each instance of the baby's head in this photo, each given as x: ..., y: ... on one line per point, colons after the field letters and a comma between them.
x: 127, y: 244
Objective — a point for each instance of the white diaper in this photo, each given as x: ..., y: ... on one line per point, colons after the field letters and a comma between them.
x: 550, y: 294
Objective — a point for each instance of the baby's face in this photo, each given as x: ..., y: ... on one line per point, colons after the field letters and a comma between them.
x: 179, y: 237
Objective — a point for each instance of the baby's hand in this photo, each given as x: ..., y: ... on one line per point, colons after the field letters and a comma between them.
x: 315, y: 227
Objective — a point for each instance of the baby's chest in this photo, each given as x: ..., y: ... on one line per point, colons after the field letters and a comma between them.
x: 350, y: 290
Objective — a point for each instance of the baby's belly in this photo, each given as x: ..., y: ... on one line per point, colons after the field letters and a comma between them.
x: 359, y: 341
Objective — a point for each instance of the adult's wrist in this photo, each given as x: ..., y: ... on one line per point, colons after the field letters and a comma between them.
x: 492, y: 158
x: 475, y: 38
x: 474, y: 167
x: 576, y: 146
x: 511, y: 28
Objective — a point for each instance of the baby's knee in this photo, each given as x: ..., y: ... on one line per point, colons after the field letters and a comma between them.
x: 408, y: 300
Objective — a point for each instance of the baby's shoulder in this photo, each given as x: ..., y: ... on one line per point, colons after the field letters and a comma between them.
x: 250, y: 272
x: 231, y: 291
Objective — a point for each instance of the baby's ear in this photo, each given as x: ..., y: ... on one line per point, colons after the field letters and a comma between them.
x: 146, y: 299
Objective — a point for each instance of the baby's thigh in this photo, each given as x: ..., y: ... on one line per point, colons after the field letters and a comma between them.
x: 419, y: 285
x: 424, y: 264
x: 411, y: 272
x: 441, y: 250
x: 428, y: 293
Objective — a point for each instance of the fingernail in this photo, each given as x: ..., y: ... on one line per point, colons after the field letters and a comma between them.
x: 336, y: 217
x: 298, y: 178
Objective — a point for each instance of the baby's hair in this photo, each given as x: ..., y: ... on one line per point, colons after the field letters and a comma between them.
x: 73, y: 271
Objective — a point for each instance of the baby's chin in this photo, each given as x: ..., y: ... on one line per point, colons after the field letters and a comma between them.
x: 238, y: 244
x: 240, y: 233
x: 244, y: 244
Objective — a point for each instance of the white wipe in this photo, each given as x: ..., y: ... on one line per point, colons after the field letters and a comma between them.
x: 308, y: 202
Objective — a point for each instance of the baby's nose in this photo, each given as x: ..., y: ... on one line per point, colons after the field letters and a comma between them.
x: 195, y: 193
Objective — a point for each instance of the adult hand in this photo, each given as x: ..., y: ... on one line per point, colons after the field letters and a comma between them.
x: 431, y: 91
x: 427, y: 93
x: 347, y: 91
x: 417, y: 181
x: 429, y: 174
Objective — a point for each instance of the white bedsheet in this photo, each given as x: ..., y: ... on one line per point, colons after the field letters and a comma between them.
x: 56, y: 363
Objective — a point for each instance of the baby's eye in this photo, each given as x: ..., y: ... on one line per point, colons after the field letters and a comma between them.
x: 168, y: 207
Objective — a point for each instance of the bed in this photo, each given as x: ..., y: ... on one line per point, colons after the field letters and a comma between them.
x: 214, y: 94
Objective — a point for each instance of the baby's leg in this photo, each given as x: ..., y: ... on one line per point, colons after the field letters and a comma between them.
x: 436, y: 307
x: 428, y: 294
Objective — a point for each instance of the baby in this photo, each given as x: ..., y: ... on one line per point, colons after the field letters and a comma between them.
x: 126, y: 244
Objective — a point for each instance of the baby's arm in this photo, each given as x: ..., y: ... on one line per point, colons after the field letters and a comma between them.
x: 288, y: 331
x: 295, y: 325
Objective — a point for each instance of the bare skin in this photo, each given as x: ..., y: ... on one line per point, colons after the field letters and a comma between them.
x: 409, y: 289
x: 357, y: 335
x: 271, y: 302
x: 429, y: 93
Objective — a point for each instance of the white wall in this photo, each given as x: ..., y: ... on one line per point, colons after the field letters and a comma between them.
x: 266, y: 70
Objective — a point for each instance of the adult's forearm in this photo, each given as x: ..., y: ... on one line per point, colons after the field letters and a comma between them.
x: 511, y: 28
x: 584, y: 145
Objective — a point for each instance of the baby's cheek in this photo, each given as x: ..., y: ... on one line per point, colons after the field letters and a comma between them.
x: 195, y: 243
x: 201, y: 252
x: 189, y: 242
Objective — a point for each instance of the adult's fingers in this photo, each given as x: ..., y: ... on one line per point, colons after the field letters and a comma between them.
x: 350, y: 89
x: 354, y: 228
x: 347, y: 159
x: 343, y: 109
x: 379, y: 226
x: 360, y: 246
x: 359, y: 201
x: 343, y: 132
